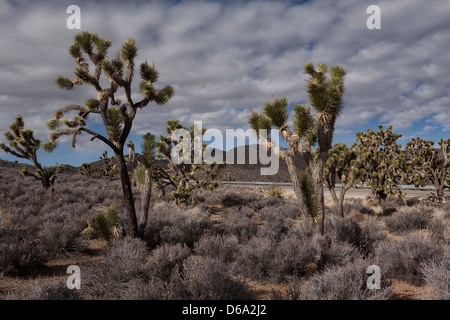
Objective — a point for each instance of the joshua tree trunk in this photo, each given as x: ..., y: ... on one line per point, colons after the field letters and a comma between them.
x: 317, y: 176
x: 146, y: 197
x: 295, y: 177
x: 381, y: 196
x: 127, y: 195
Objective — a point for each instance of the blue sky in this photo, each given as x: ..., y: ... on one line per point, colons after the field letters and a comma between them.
x: 224, y: 57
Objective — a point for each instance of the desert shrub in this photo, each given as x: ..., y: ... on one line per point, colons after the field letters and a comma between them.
x: 358, y: 206
x: 371, y: 233
x: 412, y: 202
x: 62, y: 237
x: 344, y: 229
x: 207, y: 279
x: 221, y: 247
x: 395, y: 202
x: 363, y: 236
x: 446, y: 208
x: 276, y: 229
x: 164, y: 259
x: 332, y: 252
x: 408, y: 219
x: 292, y: 257
x: 232, y: 198
x: 123, y: 273
x: 53, y: 291
x: 401, y: 259
x: 172, y: 225
x: 282, y: 210
x: 256, y: 257
x: 236, y: 222
x: 347, y: 282
x: 436, y: 274
x: 259, y: 203
x: 21, y: 252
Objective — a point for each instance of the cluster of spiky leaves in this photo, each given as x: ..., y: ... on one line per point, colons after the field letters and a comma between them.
x: 23, y: 144
x: 184, y: 177
x: 105, y: 224
x: 89, y: 48
x: 425, y: 164
x: 326, y: 99
x: 107, y: 169
x: 383, y: 160
x: 342, y: 163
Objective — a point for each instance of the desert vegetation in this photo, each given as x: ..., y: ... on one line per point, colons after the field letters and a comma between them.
x: 192, y: 238
x: 234, y: 243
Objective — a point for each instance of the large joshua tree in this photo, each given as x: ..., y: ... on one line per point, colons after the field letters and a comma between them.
x: 311, y: 125
x: 383, y: 160
x: 425, y: 163
x: 23, y: 144
x: 90, y: 53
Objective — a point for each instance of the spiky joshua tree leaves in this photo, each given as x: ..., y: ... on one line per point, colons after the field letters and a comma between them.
x: 425, y: 163
x: 90, y: 53
x: 383, y: 160
x: 312, y: 125
x: 22, y: 144
x: 105, y: 224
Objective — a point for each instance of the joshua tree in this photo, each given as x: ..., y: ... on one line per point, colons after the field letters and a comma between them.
x: 22, y: 144
x: 117, y: 118
x: 184, y: 177
x: 342, y: 164
x: 383, y: 161
x: 108, y: 169
x: 105, y: 225
x: 425, y: 164
x: 143, y: 176
x: 325, y: 95
x: 131, y: 154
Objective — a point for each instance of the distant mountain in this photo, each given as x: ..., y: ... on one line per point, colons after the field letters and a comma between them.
x: 239, y: 167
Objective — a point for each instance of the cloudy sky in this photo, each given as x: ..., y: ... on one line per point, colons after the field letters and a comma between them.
x: 224, y: 57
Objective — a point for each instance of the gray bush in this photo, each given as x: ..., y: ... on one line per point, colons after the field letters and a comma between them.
x: 347, y: 282
x: 436, y: 274
x: 401, y: 259
x: 409, y: 218
x: 207, y: 279
x: 164, y: 259
x: 221, y: 247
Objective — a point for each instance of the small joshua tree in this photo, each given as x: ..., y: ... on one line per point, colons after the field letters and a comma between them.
x: 383, y: 161
x: 143, y: 175
x: 131, y: 155
x: 90, y: 54
x: 108, y: 169
x: 325, y: 89
x: 344, y: 166
x: 22, y: 144
x: 184, y: 177
x: 105, y: 224
x: 425, y: 164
